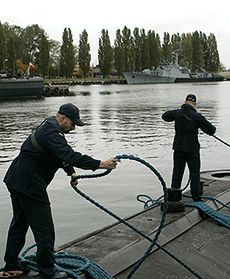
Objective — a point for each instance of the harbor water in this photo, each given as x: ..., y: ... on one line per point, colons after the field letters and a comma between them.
x: 120, y: 119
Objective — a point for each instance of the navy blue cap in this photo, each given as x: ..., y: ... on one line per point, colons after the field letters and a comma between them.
x: 191, y: 97
x: 72, y: 112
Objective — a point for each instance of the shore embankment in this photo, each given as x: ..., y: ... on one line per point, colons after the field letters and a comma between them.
x: 60, y: 86
x: 86, y: 81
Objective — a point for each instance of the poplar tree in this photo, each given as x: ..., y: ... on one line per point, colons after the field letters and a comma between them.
x: 119, y: 54
x: 68, y: 59
x: 166, y: 49
x: 144, y: 50
x: 137, y: 49
x: 127, y: 42
x: 3, y: 46
x: 55, y: 56
x: 11, y: 54
x: 187, y: 50
x: 105, y: 53
x: 214, y: 62
x: 84, y: 56
x: 198, y: 54
x: 154, y: 49
x: 43, y: 60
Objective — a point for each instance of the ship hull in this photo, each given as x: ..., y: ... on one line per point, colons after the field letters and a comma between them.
x: 141, y: 78
x: 11, y: 88
x: 148, y: 78
x: 201, y: 79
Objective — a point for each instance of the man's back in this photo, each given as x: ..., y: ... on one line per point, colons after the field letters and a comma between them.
x: 187, y: 123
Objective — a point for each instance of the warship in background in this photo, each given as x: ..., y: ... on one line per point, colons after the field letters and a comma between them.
x: 170, y: 73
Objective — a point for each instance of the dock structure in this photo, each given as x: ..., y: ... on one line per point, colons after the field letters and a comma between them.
x: 199, y: 242
x: 199, y: 245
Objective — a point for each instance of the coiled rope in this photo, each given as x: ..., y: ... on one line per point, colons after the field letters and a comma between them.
x: 73, y: 265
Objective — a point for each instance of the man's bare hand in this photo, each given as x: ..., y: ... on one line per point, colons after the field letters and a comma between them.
x: 109, y: 164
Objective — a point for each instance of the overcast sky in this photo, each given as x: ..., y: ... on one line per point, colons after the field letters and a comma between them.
x: 173, y: 16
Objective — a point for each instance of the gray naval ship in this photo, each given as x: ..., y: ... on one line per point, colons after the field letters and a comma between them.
x: 170, y: 73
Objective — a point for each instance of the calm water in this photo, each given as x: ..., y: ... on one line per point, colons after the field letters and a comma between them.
x: 121, y: 119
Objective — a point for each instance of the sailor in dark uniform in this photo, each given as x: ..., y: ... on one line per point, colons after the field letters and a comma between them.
x: 186, y: 145
x: 41, y: 155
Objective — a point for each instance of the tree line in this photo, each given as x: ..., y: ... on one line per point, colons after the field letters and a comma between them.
x: 132, y: 50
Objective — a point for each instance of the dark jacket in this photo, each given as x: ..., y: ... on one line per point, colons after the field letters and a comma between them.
x: 34, y: 168
x: 187, y: 123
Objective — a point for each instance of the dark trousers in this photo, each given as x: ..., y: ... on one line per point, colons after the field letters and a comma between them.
x: 193, y: 161
x: 29, y: 212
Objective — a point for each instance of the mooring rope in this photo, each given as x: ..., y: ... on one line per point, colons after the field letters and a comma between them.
x: 219, y: 217
x: 73, y: 264
x: 153, y: 241
x: 224, y: 142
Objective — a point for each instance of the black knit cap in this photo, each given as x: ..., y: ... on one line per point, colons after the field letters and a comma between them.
x: 191, y: 97
x: 72, y: 112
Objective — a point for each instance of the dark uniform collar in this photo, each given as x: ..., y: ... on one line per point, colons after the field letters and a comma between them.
x: 188, y: 106
x: 53, y: 121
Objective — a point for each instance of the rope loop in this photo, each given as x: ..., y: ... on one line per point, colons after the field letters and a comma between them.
x: 73, y: 265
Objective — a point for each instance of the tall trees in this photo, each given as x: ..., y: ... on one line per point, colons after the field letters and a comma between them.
x: 214, y: 62
x: 197, y: 55
x: 166, y: 49
x: 131, y: 51
x: 31, y: 36
x: 137, y: 49
x: 187, y: 50
x: 55, y: 56
x: 3, y: 46
x: 119, y: 54
x: 84, y: 56
x: 68, y: 59
x: 154, y: 49
x: 105, y: 53
x: 43, y: 58
x: 127, y: 42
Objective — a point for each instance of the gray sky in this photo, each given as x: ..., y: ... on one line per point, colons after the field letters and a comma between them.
x: 207, y: 16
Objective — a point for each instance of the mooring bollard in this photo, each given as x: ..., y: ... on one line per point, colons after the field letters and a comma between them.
x: 175, y: 202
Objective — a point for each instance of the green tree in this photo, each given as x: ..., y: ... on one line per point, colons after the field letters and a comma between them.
x: 3, y: 47
x: 32, y: 36
x: 187, y: 50
x: 166, y: 49
x: 144, y: 50
x: 11, y: 53
x: 55, y: 56
x: 214, y: 59
x: 105, y: 53
x: 43, y: 59
x: 119, y: 54
x: 128, y: 46
x: 154, y: 49
x: 68, y: 57
x: 137, y: 49
x: 84, y: 56
x: 198, y: 54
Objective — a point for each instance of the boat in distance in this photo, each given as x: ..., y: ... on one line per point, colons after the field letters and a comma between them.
x: 169, y: 73
x: 23, y: 87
